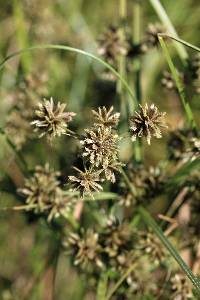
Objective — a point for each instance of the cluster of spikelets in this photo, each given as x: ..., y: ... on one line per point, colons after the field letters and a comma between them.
x: 45, y: 196
x: 99, y: 152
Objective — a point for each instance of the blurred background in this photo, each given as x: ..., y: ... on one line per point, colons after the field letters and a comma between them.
x: 27, y: 242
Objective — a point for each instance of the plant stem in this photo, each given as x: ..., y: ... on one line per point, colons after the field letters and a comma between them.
x: 169, y: 26
x: 179, y: 84
x: 137, y: 70
x: 180, y: 41
x: 120, y: 281
x: 122, y: 58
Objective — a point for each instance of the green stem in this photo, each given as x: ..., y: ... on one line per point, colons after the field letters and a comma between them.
x: 122, y: 58
x: 180, y: 41
x: 137, y: 70
x: 179, y: 84
x: 74, y: 50
x: 120, y: 281
x: 159, y: 9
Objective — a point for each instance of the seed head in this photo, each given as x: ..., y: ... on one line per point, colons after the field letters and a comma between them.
x: 52, y: 120
x: 86, y: 248
x: 100, y: 146
x: 86, y: 181
x: 117, y: 237
x: 180, y: 287
x: 111, y: 45
x: 106, y: 118
x: 147, y: 123
x: 43, y: 193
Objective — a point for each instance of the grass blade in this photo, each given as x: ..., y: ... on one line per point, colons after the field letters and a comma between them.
x: 151, y: 223
x: 74, y: 50
x: 180, y: 41
x: 169, y: 26
x: 179, y: 84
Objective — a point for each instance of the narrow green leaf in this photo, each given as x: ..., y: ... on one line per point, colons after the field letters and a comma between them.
x: 74, y: 50
x: 151, y: 223
x: 180, y: 41
x: 179, y: 84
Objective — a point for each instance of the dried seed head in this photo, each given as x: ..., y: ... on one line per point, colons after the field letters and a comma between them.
x: 147, y: 123
x: 180, y: 144
x: 100, y: 146
x: 111, y: 45
x: 86, y: 181
x: 52, y: 120
x: 180, y: 287
x: 86, y: 248
x: 152, y: 246
x: 43, y: 194
x: 117, y: 237
x: 168, y: 81
x: 193, y: 151
x: 106, y: 118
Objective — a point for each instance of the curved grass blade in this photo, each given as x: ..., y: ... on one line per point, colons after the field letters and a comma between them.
x: 179, y: 84
x: 151, y: 223
x: 179, y: 41
x: 74, y: 50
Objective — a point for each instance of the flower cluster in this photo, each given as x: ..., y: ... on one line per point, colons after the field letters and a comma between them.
x: 44, y: 195
x: 51, y: 119
x: 99, y: 151
x: 147, y: 123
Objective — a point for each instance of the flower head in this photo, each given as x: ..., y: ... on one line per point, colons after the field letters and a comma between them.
x: 100, y: 145
x: 86, y: 248
x: 52, y: 120
x: 111, y: 45
x: 106, y: 118
x: 180, y: 287
x: 147, y: 123
x: 86, y: 181
x: 43, y: 193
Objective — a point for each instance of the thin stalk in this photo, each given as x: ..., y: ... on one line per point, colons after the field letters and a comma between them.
x: 180, y: 41
x: 120, y: 281
x: 150, y: 222
x: 137, y: 70
x: 74, y: 50
x: 179, y: 84
x: 122, y: 58
x: 159, y: 9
